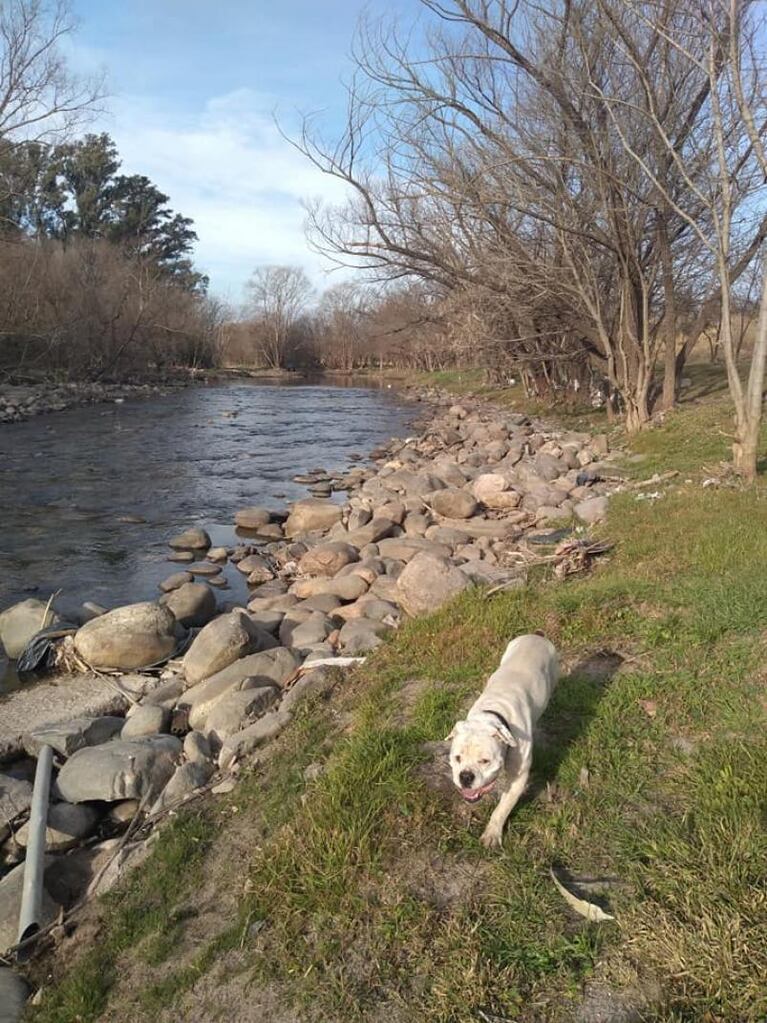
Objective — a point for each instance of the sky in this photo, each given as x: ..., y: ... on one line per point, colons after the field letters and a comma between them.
x: 194, y: 87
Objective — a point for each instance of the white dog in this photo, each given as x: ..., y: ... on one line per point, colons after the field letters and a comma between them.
x: 498, y: 731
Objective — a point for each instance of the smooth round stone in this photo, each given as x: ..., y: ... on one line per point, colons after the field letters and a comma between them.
x: 174, y: 581
x: 181, y: 556
x: 252, y: 518
x: 204, y: 568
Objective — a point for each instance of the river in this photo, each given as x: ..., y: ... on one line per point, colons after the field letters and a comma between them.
x: 192, y: 458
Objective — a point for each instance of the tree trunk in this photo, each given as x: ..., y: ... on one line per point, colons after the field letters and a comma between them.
x: 745, y: 450
x: 670, y: 378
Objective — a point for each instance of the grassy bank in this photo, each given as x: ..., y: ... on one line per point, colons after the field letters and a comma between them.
x: 358, y: 890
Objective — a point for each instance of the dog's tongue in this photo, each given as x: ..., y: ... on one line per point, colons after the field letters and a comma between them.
x: 472, y: 795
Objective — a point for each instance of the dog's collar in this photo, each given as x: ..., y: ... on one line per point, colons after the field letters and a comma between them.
x: 500, y: 717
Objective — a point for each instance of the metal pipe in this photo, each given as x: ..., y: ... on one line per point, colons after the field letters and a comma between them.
x: 34, y: 866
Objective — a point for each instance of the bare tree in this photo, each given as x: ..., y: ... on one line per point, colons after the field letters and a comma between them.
x: 277, y: 296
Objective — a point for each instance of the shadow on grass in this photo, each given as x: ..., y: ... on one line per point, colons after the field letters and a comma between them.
x: 568, y: 716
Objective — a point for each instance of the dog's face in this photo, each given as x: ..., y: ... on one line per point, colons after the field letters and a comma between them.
x: 477, y: 756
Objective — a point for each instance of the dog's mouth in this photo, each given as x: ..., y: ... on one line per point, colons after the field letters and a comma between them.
x: 474, y: 795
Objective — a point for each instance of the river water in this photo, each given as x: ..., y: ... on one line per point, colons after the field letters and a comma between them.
x: 192, y: 458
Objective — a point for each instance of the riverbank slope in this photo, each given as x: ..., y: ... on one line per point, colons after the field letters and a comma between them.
x: 341, y: 880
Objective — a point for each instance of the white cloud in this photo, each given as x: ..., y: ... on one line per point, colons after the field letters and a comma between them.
x: 227, y: 167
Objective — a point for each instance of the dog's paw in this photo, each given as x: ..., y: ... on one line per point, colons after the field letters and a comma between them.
x: 492, y: 838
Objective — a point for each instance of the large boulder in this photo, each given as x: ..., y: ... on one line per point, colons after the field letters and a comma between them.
x: 306, y: 632
x: 174, y: 581
x: 492, y: 490
x: 427, y: 582
x: 328, y: 558
x: 252, y: 518
x: 192, y: 604
x: 360, y: 635
x: 129, y: 637
x: 186, y: 778
x: 70, y: 736
x: 222, y: 641
x: 193, y: 539
x: 151, y: 719
x: 310, y: 514
x: 252, y: 672
x: 20, y: 622
x: 67, y: 824
x: 123, y: 769
x: 237, y: 710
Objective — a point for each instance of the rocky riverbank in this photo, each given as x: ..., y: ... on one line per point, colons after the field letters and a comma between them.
x: 23, y: 401
x: 186, y: 689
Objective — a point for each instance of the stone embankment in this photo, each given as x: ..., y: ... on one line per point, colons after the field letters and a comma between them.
x: 182, y: 691
x: 19, y: 402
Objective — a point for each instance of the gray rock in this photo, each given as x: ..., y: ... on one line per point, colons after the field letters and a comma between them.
x: 360, y: 635
x: 374, y: 531
x: 248, y: 672
x: 124, y: 812
x: 185, y: 780
x: 312, y: 514
x: 151, y: 719
x: 268, y: 620
x: 450, y: 473
x: 10, y: 903
x: 301, y: 634
x: 412, y: 483
x: 327, y: 559
x: 20, y: 622
x: 325, y: 602
x: 134, y: 636
x: 359, y: 517
x: 204, y: 568
x: 394, y: 511
x: 256, y: 568
x: 252, y: 518
x: 197, y: 748
x: 192, y: 604
x: 416, y: 524
x: 318, y: 682
x: 123, y: 769
x: 405, y: 548
x: 13, y: 994
x: 217, y: 554
x: 386, y: 588
x: 193, y: 539
x: 592, y: 511
x: 493, y: 491
x: 237, y: 710
x: 548, y: 467
x: 166, y: 694
x: 181, y: 557
x: 174, y: 581
x: 280, y: 602
x: 67, y: 824
x: 241, y: 743
x: 345, y: 587
x: 447, y: 535
x: 69, y: 737
x: 427, y: 582
x: 15, y: 799
x: 223, y: 641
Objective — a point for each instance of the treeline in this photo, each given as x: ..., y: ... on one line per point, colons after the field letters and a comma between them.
x: 579, y: 185
x: 96, y: 268
x: 349, y: 326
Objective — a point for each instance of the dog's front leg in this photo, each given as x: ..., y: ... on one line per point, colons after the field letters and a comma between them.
x: 492, y: 836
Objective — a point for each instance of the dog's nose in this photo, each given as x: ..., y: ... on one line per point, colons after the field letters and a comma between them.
x: 466, y: 778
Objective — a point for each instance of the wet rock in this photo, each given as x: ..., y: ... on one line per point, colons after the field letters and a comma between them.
x: 312, y: 514
x: 192, y: 604
x: 327, y: 559
x: 181, y: 556
x: 427, y: 582
x: 10, y: 903
x: 592, y: 510
x: 217, y: 554
x: 123, y: 769
x: 151, y: 719
x: 133, y: 636
x: 197, y: 748
x: 185, y: 780
x: 360, y: 635
x: 252, y: 518
x: 20, y: 622
x: 70, y: 736
x: 238, y: 710
x: 67, y: 824
x: 174, y: 581
x: 193, y: 539
x: 221, y: 642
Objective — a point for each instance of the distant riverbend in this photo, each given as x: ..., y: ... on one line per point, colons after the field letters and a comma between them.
x: 90, y: 496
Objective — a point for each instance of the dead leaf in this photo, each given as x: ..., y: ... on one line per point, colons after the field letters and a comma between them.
x: 590, y: 910
x: 650, y: 707
x: 583, y: 777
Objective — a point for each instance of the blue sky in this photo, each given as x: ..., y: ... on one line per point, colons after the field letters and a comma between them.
x: 193, y: 87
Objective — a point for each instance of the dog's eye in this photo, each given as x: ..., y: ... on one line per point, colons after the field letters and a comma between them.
x: 485, y: 761
x: 457, y: 759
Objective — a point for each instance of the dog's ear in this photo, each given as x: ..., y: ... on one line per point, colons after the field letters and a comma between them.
x: 453, y: 731
x: 502, y: 732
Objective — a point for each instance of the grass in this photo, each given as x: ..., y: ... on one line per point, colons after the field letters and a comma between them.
x: 379, y: 902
